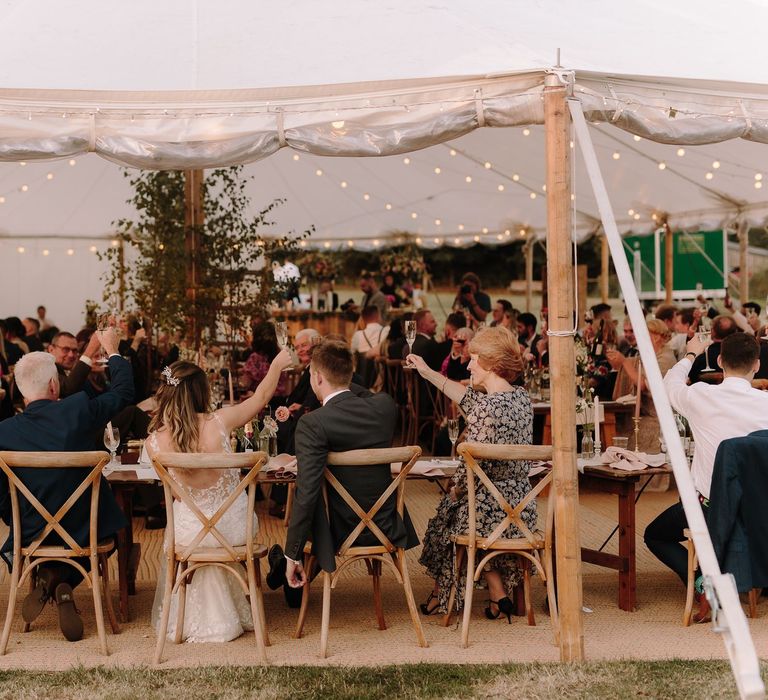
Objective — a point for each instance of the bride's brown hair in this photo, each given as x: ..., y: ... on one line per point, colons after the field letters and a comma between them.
x: 183, y: 393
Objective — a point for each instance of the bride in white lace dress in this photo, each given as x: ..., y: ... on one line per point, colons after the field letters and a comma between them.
x: 216, y: 608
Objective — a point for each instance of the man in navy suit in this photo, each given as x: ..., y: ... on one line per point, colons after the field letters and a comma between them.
x: 69, y: 425
x: 350, y: 418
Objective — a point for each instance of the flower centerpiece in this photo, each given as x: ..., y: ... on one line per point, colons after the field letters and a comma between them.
x: 317, y: 266
x: 404, y: 263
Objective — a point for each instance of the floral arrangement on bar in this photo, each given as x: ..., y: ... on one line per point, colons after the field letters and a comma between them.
x: 406, y: 263
x: 317, y: 266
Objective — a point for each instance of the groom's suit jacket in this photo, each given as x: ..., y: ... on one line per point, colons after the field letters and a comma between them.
x: 69, y: 425
x: 352, y: 420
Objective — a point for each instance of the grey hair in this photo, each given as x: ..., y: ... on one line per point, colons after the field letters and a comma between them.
x: 308, y: 332
x: 34, y: 372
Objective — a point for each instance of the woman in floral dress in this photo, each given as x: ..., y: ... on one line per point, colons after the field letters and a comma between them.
x: 502, y: 415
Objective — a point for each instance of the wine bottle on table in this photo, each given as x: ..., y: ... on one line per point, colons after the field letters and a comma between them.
x: 598, y: 346
x: 248, y: 437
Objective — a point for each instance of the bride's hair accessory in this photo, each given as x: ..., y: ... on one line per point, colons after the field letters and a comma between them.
x: 170, y: 380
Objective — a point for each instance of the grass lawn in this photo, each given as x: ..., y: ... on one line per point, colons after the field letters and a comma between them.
x: 619, y: 679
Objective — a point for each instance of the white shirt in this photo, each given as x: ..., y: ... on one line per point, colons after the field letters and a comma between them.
x: 677, y: 343
x: 371, y: 337
x: 335, y: 393
x: 715, y: 413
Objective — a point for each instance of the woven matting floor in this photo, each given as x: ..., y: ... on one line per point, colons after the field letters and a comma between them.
x: 654, y: 631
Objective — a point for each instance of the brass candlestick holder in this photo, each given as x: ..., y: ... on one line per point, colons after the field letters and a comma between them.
x: 636, y: 421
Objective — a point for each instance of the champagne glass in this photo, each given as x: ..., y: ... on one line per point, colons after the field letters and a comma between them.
x: 410, y: 334
x: 705, y: 335
x: 453, y: 434
x: 281, y: 333
x: 112, y: 442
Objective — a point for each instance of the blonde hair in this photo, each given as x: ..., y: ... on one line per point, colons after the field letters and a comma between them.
x: 658, y: 327
x: 179, y: 404
x: 498, y: 351
x: 464, y: 334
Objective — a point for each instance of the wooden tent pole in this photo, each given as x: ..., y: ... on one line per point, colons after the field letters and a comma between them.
x: 193, y: 220
x: 604, y: 269
x: 743, y: 262
x: 528, y: 250
x: 121, y: 275
x: 562, y: 364
x: 669, y: 266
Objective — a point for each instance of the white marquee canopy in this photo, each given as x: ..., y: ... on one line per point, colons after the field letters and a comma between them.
x: 675, y: 93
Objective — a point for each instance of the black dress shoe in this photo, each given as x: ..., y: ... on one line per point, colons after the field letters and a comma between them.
x: 155, y: 518
x: 292, y: 595
x: 277, y: 563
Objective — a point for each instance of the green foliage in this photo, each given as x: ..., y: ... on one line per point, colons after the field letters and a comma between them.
x: 233, y: 257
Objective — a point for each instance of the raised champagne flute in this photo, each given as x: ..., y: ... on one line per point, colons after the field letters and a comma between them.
x: 281, y: 333
x: 453, y: 434
x: 112, y: 442
x: 705, y: 337
x: 410, y: 336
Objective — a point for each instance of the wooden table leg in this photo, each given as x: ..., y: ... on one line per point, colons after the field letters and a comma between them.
x: 124, y: 498
x: 628, y: 572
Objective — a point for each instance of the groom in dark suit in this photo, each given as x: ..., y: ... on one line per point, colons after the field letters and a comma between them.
x: 347, y: 420
x: 68, y: 425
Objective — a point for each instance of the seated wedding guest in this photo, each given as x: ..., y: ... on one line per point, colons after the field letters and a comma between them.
x: 32, y: 334
x: 502, y: 415
x: 627, y: 345
x: 509, y: 321
x: 395, y: 342
x: 501, y: 307
x: 134, y: 347
x: 456, y: 365
x: 167, y: 348
x: 714, y: 413
x: 366, y: 347
x: 475, y: 304
x: 526, y: 332
x: 263, y: 350
x: 349, y: 419
x: 72, y: 367
x: 722, y: 327
x: 70, y: 424
x: 626, y: 383
x: 15, y: 346
x: 6, y: 404
x: 216, y: 607
x: 425, y: 344
x: 686, y: 322
x: 454, y: 321
x: 669, y: 314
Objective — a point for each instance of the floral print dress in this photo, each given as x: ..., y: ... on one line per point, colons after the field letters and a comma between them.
x: 500, y: 418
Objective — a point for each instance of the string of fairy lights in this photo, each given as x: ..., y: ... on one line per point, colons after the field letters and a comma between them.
x: 466, y: 173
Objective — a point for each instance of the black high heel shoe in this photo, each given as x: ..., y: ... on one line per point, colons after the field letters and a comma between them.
x: 503, y: 607
x: 426, y: 608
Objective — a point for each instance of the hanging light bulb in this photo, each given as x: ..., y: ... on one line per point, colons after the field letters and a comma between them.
x: 70, y: 251
x: 366, y: 196
x: 46, y: 252
x: 485, y: 229
x: 438, y: 222
x: 452, y: 152
x: 631, y: 212
x: 758, y: 185
x: 637, y: 138
x: 516, y: 177
x: 92, y: 249
x: 487, y: 165
x: 49, y: 176
x: 461, y: 227
x: 715, y: 164
x: 376, y: 242
x: 387, y: 206
x: 758, y: 176
x: 709, y: 176
x: 616, y: 155
x: 407, y: 160
x: 532, y: 195
x: 327, y: 244
x: 636, y: 217
x: 418, y: 241
x: 681, y: 152
x: 114, y: 243
x: 25, y: 188
x: 500, y: 188
x: 295, y: 156
x: 526, y: 132
x: 662, y: 166
x: 414, y: 215
x: 343, y: 184
x: 477, y: 239
x: 468, y: 178
x: 72, y: 161
x: 318, y: 172
x: 437, y: 171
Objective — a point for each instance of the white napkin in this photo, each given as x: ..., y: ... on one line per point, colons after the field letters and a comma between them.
x: 631, y: 461
x: 426, y: 467
x: 282, y: 466
x: 627, y: 398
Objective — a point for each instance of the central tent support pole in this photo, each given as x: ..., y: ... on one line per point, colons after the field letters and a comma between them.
x: 728, y: 615
x: 605, y: 256
x: 743, y: 261
x: 562, y: 364
x: 669, y: 264
x: 528, y: 250
x: 193, y: 220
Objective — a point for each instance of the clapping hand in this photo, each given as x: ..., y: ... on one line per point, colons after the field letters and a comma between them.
x: 615, y: 358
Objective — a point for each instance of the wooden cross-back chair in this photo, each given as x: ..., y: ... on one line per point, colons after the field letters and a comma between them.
x: 419, y: 391
x: 532, y: 547
x: 27, y: 558
x: 373, y: 556
x: 183, y: 560
x: 394, y: 385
